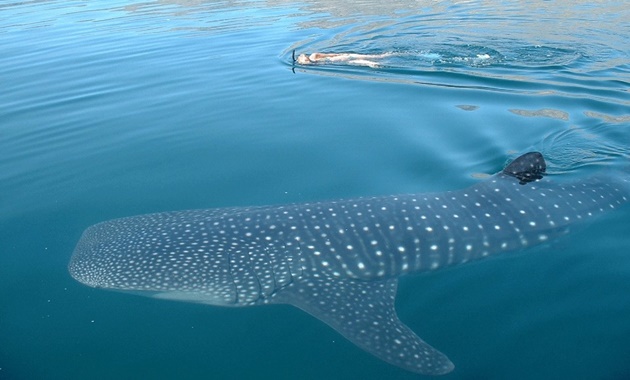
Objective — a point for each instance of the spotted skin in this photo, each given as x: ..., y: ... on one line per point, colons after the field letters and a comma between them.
x: 339, y: 260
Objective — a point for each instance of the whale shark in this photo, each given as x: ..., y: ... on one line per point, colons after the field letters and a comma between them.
x: 340, y: 260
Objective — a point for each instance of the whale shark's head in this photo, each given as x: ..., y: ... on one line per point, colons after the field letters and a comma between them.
x: 206, y: 256
x: 126, y: 255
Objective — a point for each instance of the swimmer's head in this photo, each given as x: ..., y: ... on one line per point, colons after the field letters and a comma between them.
x: 303, y: 59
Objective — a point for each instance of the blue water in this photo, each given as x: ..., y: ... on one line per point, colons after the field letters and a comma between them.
x: 117, y: 108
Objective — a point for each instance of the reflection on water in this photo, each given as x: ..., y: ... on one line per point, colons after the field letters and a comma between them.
x: 608, y: 118
x: 554, y: 114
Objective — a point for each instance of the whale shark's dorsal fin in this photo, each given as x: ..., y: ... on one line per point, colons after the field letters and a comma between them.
x: 527, y: 168
x: 364, y: 313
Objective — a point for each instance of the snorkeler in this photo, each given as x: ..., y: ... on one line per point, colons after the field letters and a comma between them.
x: 351, y: 58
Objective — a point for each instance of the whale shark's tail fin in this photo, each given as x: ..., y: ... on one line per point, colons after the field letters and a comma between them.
x: 527, y: 168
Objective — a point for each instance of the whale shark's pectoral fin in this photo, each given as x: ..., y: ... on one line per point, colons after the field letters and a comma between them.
x: 363, y: 312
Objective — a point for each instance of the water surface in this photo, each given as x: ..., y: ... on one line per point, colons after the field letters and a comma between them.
x: 117, y: 108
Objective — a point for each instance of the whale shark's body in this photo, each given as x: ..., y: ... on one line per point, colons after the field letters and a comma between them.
x: 339, y: 260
